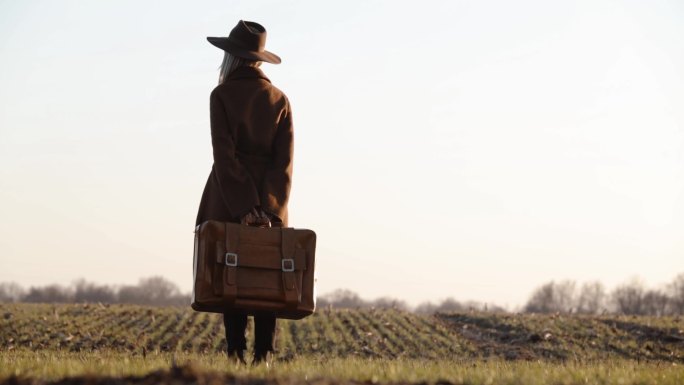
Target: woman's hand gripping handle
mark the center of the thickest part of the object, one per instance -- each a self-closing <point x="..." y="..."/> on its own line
<point x="256" y="217"/>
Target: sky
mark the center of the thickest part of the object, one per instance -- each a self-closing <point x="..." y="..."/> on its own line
<point x="465" y="149"/>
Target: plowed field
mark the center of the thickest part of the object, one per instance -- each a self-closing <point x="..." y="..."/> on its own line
<point x="151" y="337"/>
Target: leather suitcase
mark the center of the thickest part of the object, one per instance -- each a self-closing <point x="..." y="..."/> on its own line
<point x="254" y="269"/>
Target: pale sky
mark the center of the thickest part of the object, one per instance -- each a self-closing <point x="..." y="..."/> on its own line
<point x="466" y="149"/>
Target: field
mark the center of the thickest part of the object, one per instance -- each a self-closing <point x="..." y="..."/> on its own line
<point x="89" y="343"/>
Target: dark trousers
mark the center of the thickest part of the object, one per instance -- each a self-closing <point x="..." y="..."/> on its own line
<point x="264" y="331"/>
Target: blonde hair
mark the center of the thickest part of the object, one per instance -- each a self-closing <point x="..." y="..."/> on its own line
<point x="231" y="62"/>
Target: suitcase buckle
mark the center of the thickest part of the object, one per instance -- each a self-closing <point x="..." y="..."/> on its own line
<point x="286" y="261"/>
<point x="231" y="259"/>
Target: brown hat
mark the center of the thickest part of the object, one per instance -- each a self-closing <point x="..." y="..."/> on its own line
<point x="246" y="40"/>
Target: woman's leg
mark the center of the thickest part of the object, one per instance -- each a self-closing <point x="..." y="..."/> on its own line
<point x="264" y="335"/>
<point x="235" y="325"/>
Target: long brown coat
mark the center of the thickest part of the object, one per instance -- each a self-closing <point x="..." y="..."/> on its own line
<point x="252" y="140"/>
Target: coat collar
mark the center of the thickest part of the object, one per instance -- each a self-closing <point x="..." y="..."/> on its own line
<point x="247" y="72"/>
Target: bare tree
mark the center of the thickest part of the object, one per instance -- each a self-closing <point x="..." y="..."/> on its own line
<point x="49" y="294"/>
<point x="153" y="291"/>
<point x="493" y="308"/>
<point x="450" y="305"/>
<point x="676" y="291"/>
<point x="426" y="308"/>
<point x="655" y="302"/>
<point x="11" y="292"/>
<point x="91" y="292"/>
<point x="552" y="297"/>
<point x="592" y="298"/>
<point x="341" y="298"/>
<point x="628" y="298"/>
<point x="565" y="296"/>
<point x="542" y="300"/>
<point x="158" y="288"/>
<point x="389" y="303"/>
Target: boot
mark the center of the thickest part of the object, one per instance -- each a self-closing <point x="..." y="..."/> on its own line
<point x="261" y="358"/>
<point x="238" y="356"/>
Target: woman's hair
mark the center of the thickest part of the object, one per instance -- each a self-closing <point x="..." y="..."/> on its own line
<point x="231" y="62"/>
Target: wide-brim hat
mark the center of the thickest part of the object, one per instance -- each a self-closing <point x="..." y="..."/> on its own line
<point x="247" y="40"/>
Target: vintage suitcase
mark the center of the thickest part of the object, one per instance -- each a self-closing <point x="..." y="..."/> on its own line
<point x="254" y="269"/>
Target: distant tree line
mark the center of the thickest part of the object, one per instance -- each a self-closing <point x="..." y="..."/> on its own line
<point x="347" y="299"/>
<point x="553" y="297"/>
<point x="161" y="292"/>
<point x="148" y="291"/>
<point x="631" y="297"/>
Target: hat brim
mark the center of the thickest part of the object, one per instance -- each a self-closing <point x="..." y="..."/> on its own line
<point x="225" y="44"/>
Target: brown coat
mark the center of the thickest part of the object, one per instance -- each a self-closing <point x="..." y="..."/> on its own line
<point x="252" y="140"/>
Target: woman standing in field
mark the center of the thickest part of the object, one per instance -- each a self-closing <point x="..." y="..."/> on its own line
<point x="252" y="140"/>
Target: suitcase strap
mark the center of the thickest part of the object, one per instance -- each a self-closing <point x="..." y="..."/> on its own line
<point x="290" y="288"/>
<point x="227" y="287"/>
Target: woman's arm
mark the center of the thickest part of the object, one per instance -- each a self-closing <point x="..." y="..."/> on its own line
<point x="275" y="188"/>
<point x="235" y="184"/>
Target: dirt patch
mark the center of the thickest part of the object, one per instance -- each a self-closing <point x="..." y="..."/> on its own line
<point x="656" y="342"/>
<point x="504" y="336"/>
<point x="558" y="337"/>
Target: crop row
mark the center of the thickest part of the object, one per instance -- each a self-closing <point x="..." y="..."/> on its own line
<point x="141" y="330"/>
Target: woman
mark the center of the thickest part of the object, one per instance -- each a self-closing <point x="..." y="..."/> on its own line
<point x="251" y="136"/>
